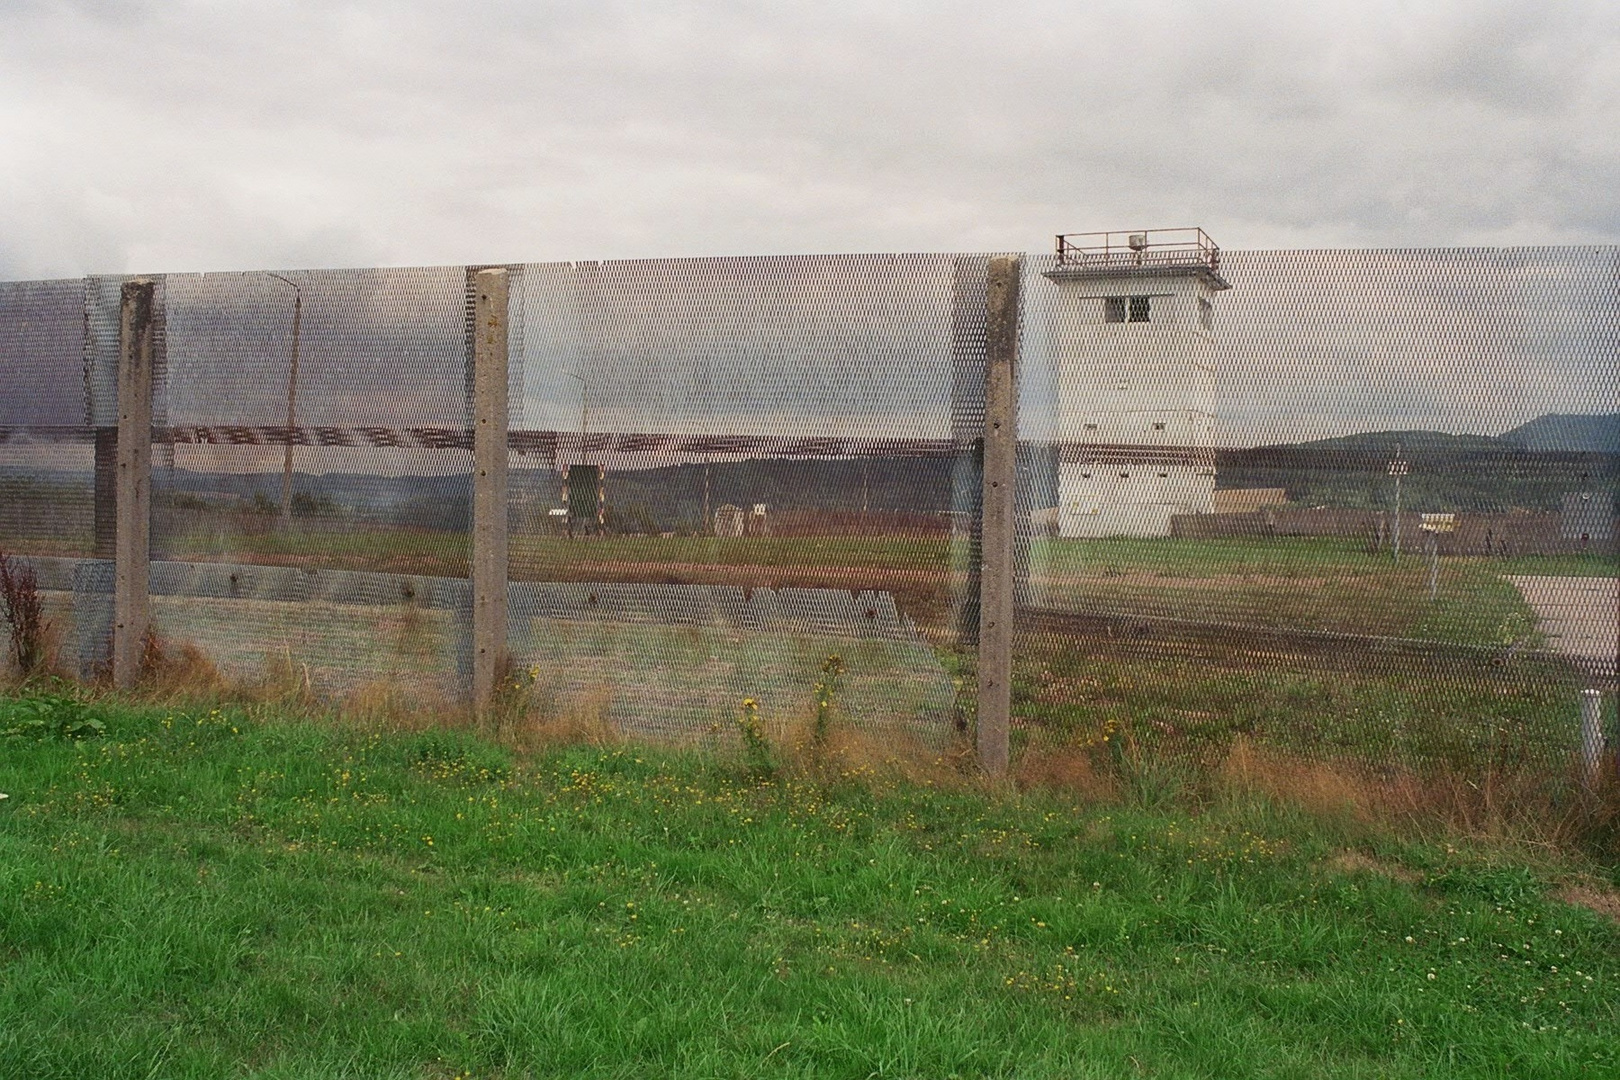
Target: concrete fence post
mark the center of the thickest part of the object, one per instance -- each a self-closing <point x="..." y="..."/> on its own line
<point x="132" y="547"/>
<point x="1592" y="742"/>
<point x="999" y="527"/>
<point x="489" y="537"/>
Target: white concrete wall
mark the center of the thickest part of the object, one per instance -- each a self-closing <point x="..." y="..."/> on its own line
<point x="1131" y="498"/>
<point x="1132" y="384"/>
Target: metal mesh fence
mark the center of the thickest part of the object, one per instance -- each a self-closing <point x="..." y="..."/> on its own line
<point x="47" y="477"/>
<point x="738" y="469"/>
<point x="1358" y="504"/>
<point x="311" y="509"/>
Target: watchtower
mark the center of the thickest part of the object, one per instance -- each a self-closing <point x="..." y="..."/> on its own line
<point x="1133" y="332"/>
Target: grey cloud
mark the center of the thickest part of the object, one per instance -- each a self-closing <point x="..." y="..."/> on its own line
<point x="175" y="136"/>
<point x="1518" y="58"/>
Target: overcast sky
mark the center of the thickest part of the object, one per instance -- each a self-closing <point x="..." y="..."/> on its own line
<point x="170" y="136"/>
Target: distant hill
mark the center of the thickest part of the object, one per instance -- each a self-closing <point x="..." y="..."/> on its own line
<point x="1466" y="473"/>
<point x="1421" y="444"/>
<point x="1555" y="431"/>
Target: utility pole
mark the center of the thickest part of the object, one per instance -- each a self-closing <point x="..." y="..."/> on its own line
<point x="1434" y="568"/>
<point x="569" y="492"/>
<point x="292" y="399"/>
<point x="1397" y="469"/>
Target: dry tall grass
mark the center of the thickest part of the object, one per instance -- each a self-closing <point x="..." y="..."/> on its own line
<point x="533" y="712"/>
<point x="1510" y="804"/>
<point x="1072" y="770"/>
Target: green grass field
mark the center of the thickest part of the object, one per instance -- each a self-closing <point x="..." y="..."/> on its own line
<point x="1475" y="718"/>
<point x="545" y="557"/>
<point x="221" y="894"/>
<point x="1489" y="726"/>
<point x="385" y="549"/>
<point x="1309" y="583"/>
<point x="1323" y="584"/>
<point x="1461" y="715"/>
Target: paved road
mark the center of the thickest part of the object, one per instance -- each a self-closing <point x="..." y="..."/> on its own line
<point x="1579" y="615"/>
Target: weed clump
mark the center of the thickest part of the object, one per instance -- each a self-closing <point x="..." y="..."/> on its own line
<point x="179" y="671"/>
<point x="52" y="717"/>
<point x="756" y="748"/>
<point x="827" y="688"/>
<point x="24" y="612"/>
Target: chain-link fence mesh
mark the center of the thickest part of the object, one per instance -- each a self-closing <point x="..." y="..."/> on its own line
<point x="738" y="469"/>
<point x="1360" y="504"/>
<point x="48" y="499"/>
<point x="1337" y="508"/>
<point x="311" y="506"/>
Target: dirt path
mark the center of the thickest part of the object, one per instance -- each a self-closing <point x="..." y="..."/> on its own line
<point x="1579" y="615"/>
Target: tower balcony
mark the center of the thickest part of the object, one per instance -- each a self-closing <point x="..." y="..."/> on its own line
<point x="1139" y="253"/>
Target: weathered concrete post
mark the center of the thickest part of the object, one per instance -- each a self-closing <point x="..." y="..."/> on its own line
<point x="489" y="541"/>
<point x="132" y="548"/>
<point x="1591" y="737"/>
<point x="999" y="526"/>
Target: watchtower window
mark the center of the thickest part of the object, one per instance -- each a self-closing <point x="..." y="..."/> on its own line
<point x="1206" y="313"/>
<point x="1114" y="309"/>
<point x="1139" y="308"/>
<point x="1158" y="425"/>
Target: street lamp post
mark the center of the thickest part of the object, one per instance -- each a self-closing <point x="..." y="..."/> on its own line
<point x="1397" y="469"/>
<point x="292" y="399"/>
<point x="584" y="435"/>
